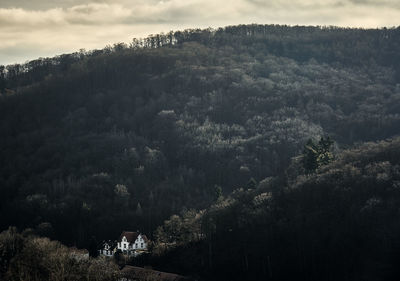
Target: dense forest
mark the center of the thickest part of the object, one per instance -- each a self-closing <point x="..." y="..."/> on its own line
<point x="96" y="142"/>
<point x="338" y="223"/>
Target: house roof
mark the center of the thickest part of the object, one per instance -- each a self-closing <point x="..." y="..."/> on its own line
<point x="144" y="238"/>
<point x="130" y="236"/>
<point x="110" y="243"/>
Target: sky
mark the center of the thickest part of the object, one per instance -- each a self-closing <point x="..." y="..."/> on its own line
<point x="44" y="28"/>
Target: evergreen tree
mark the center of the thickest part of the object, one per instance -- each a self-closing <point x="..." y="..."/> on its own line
<point x="318" y="154"/>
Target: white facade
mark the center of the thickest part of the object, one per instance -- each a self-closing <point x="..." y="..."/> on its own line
<point x="140" y="243"/>
<point x="129" y="248"/>
<point x="107" y="250"/>
<point x="129" y="243"/>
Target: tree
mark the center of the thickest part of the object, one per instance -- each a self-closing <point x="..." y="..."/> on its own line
<point x="251" y="184"/>
<point x="217" y="192"/>
<point x="2" y="78"/>
<point x="325" y="155"/>
<point x="318" y="154"/>
<point x="139" y="210"/>
<point x="93" y="252"/>
<point x="122" y="195"/>
<point x="310" y="156"/>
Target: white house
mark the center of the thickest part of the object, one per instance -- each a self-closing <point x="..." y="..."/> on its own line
<point x="132" y="243"/>
<point x="108" y="248"/>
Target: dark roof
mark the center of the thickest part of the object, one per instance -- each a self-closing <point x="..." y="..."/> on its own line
<point x="145" y="238"/>
<point x="110" y="243"/>
<point x="130" y="236"/>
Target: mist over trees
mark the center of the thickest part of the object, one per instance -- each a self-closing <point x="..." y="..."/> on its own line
<point x="99" y="141"/>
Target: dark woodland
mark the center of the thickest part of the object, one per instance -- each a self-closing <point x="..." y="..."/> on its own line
<point x="250" y="152"/>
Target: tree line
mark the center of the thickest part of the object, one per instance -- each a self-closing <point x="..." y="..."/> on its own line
<point x="99" y="141"/>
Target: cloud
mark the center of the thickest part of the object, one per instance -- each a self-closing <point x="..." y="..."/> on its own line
<point x="16" y="17"/>
<point x="97" y="14"/>
<point x="375" y="3"/>
<point x="107" y="12"/>
<point x="92" y="13"/>
<point x="51" y="27"/>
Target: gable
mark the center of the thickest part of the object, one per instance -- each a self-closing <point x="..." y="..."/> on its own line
<point x="108" y="244"/>
<point x="129" y="236"/>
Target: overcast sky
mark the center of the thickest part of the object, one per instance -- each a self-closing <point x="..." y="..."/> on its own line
<point x="40" y="28"/>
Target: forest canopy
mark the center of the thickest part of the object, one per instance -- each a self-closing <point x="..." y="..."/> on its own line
<point x="339" y="223"/>
<point x="99" y="141"/>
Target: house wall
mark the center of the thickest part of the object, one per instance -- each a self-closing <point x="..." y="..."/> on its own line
<point x="140" y="244"/>
<point x="129" y="248"/>
<point x="124" y="244"/>
<point x="107" y="253"/>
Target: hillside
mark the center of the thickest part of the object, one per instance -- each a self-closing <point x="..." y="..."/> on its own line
<point x="121" y="138"/>
<point x="340" y="223"/>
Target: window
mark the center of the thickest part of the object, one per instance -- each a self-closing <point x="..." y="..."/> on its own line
<point x="141" y="245"/>
<point x="136" y="245"/>
<point x="124" y="246"/>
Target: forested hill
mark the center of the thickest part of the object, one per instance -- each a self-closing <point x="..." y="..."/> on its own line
<point x="340" y="223"/>
<point x="120" y="138"/>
